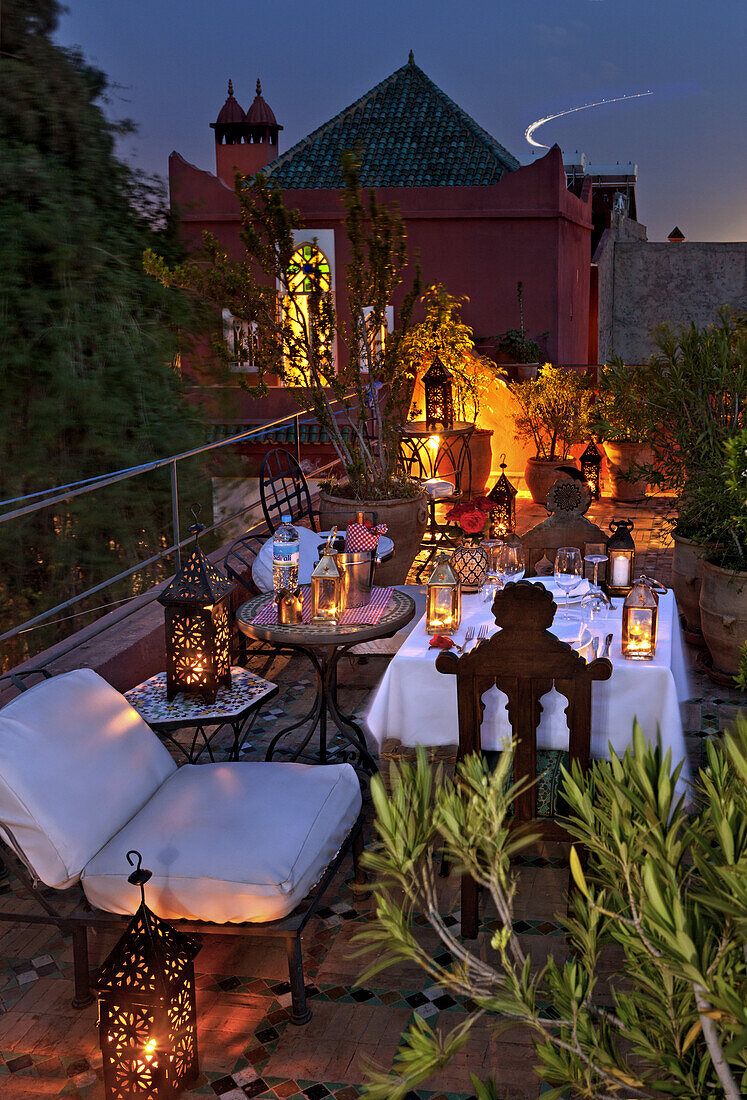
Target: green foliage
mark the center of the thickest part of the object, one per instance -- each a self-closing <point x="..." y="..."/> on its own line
<point x="740" y="679"/>
<point x="696" y="402"/>
<point x="89" y="343"/>
<point x="298" y="326"/>
<point x="554" y="411"/>
<point x="444" y="333"/>
<point x="515" y="343"/>
<point x="669" y="891"/>
<point x="620" y="410"/>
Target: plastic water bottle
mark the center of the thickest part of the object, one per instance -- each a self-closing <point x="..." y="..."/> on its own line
<point x="285" y="555"/>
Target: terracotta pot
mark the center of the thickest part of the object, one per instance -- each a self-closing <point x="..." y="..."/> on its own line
<point x="540" y="473"/>
<point x="527" y="372"/>
<point x="406" y="520"/>
<point x="687" y="570"/>
<point x="723" y="616"/>
<point x="481" y="455"/>
<point x="620" y="453"/>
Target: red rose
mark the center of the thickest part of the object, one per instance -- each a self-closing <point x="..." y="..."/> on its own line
<point x="483" y="503"/>
<point x="473" y="521"/>
<point x="456" y="512"/>
<point x="441" y="641"/>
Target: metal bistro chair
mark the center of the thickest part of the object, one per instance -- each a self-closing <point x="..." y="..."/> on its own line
<point x="524" y="660"/>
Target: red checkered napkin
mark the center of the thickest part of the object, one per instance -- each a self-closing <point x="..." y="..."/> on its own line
<point x="363" y="536"/>
<point x="369" y="613"/>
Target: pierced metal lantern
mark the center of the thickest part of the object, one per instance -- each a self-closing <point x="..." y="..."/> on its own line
<point x="443" y="608"/>
<point x="147" y="1012"/>
<point x="591" y="465"/>
<point x="621" y="557"/>
<point x="439" y="402"/>
<point x="639" y="620"/>
<point x="503" y="498"/>
<point x="326" y="590"/>
<point x="198" y="626"/>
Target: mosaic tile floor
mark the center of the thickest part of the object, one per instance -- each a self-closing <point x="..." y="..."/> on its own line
<point x="248" y="1048"/>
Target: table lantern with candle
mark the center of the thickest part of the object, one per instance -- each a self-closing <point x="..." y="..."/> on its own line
<point x="326" y="586"/>
<point x="639" y="617"/>
<point x="621" y="557"/>
<point x="439" y="402"/>
<point x="443" y="611"/>
<point x="147" y="1009"/>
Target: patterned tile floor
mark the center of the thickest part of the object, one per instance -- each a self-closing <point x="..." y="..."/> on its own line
<point x="248" y="1048"/>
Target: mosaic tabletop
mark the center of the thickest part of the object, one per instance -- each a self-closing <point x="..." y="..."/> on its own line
<point x="149" y="700"/>
<point x="399" y="611"/>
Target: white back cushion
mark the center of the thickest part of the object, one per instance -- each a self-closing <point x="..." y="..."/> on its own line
<point x="76" y="763"/>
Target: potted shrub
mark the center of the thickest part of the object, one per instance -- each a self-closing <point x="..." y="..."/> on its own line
<point x="618" y="421"/>
<point x="695" y="397"/>
<point x="553" y="414"/>
<point x="521" y="351"/>
<point x="444" y="333"/>
<point x="366" y="388"/>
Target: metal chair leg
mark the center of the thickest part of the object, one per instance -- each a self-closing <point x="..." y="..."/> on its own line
<point x="81" y="974"/>
<point x="300" y="1011"/>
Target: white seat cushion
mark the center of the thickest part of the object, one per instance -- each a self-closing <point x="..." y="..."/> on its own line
<point x="230" y="842"/>
<point x="307" y="553"/>
<point x="436" y="488"/>
<point x="76" y="763"/>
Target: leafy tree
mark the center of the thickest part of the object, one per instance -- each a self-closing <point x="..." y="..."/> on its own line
<point x="668" y="890"/>
<point x="368" y="385"/>
<point x="553" y="411"/>
<point x="89" y="343"/>
<point x="444" y="333"/>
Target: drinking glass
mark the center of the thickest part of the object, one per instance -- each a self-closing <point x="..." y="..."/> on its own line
<point x="569" y="569"/>
<point x="511" y="562"/>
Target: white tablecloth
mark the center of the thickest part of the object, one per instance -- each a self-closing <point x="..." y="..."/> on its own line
<point x="417" y="705"/>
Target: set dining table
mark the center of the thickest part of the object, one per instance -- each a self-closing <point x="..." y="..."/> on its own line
<point x="417" y="705"/>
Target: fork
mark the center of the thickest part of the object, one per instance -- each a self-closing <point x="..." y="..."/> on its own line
<point x="469" y="635"/>
<point x="483" y="632"/>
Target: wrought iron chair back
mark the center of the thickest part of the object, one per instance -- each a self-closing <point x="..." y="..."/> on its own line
<point x="283" y="490"/>
<point x="525" y="661"/>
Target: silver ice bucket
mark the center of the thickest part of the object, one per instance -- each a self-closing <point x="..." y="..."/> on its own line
<point x="357" y="576"/>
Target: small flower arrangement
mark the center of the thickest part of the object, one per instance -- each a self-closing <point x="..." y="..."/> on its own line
<point x="471" y="518"/>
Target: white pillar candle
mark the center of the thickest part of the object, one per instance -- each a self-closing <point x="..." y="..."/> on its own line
<point x="620" y="574"/>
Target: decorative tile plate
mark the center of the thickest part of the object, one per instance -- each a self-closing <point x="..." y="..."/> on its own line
<point x="149" y="699"/>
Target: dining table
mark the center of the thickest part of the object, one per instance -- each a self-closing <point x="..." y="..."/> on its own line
<point x="417" y="705"/>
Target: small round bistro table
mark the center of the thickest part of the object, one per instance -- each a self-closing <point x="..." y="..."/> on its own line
<point x="236" y="706"/>
<point x="323" y="645"/>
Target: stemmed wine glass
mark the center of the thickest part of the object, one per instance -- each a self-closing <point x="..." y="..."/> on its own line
<point x="596" y="602"/>
<point x="569" y="569"/>
<point x="511" y="562"/>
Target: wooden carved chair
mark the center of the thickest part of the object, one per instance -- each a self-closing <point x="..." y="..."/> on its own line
<point x="567" y="501"/>
<point x="524" y="660"/>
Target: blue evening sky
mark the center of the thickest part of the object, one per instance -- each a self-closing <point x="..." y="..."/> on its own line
<point x="506" y="64"/>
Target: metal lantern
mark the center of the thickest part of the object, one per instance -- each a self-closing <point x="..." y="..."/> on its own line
<point x="621" y="555"/>
<point x="591" y="464"/>
<point x="503" y="498"/>
<point x="326" y="590"/>
<point x="198" y="626"/>
<point x="443" y="608"/>
<point x="439" y="403"/>
<point x="639" y="617"/>
<point x="147" y="1013"/>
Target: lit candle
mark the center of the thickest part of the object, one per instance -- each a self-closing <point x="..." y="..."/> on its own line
<point x="620" y="571"/>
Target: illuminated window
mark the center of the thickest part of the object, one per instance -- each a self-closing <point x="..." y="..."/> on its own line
<point x="309" y="268"/>
<point x="242" y="341"/>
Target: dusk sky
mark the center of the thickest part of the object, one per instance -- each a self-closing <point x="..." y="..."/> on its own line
<point x="506" y="64"/>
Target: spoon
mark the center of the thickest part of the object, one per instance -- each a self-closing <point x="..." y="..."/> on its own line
<point x="607" y="644"/>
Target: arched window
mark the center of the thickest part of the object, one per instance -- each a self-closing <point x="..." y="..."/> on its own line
<point x="309" y="268"/>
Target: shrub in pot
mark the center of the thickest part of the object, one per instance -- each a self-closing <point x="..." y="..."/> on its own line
<point x="521" y="351"/>
<point x="285" y="295"/>
<point x="443" y="332"/>
<point x="553" y="414"/>
<point x="618" y="420"/>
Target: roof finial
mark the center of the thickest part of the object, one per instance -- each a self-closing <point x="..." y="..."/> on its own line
<point x="411" y="58"/>
<point x="230" y="87"/>
<point x="259" y="86"/>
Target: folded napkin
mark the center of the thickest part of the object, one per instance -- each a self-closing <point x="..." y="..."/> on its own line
<point x="363" y="536"/>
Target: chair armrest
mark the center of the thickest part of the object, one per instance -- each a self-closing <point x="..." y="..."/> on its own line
<point x="15" y="677"/>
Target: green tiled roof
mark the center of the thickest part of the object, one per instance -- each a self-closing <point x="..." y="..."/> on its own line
<point x="409" y="133"/>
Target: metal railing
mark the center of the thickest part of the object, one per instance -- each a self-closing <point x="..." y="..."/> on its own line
<point x="63" y="493"/>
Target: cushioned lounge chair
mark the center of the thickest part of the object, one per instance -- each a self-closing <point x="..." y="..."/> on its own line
<point x="235" y="848"/>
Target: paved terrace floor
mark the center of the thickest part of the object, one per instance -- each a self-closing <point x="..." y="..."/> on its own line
<point x="247" y="1046"/>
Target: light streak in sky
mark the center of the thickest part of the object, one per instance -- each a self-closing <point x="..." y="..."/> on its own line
<point x="530" y="130"/>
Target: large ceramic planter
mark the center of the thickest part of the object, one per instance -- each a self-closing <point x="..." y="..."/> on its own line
<point x="620" y="454"/>
<point x="723" y="616"/>
<point x="541" y="473"/>
<point x="481" y="454"/>
<point x="406" y="520"/>
<point x="687" y="571"/>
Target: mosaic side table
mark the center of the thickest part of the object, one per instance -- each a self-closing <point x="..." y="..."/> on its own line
<point x="236" y="707"/>
<point x="323" y="645"/>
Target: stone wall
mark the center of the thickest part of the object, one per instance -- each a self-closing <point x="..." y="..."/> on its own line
<point x="643" y="283"/>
